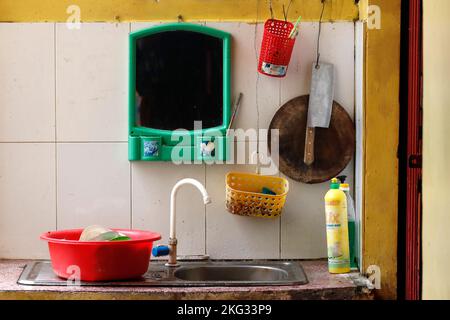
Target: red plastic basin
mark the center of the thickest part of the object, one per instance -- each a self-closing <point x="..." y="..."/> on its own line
<point x="102" y="260"/>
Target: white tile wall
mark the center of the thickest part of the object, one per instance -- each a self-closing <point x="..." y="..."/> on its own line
<point x="27" y="198"/>
<point x="27" y="82"/>
<point x="83" y="176"/>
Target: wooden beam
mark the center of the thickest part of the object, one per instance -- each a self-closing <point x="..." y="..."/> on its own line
<point x="382" y="109"/>
<point x="169" y="10"/>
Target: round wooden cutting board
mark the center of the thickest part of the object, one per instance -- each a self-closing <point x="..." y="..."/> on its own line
<point x="334" y="146"/>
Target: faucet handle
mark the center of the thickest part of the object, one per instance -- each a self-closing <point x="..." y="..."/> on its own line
<point x="160" y="251"/>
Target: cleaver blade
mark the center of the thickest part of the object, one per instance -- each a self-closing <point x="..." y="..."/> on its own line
<point x="320" y="105"/>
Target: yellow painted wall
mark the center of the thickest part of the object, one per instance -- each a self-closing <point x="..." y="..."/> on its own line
<point x="382" y="73"/>
<point x="436" y="152"/>
<point x="145" y="10"/>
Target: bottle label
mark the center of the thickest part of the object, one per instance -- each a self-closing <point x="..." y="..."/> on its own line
<point x="337" y="235"/>
<point x="273" y="69"/>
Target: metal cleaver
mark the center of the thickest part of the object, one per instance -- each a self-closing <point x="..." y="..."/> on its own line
<point x="320" y="105"/>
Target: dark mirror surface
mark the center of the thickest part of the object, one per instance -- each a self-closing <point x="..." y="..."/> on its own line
<point x="179" y="80"/>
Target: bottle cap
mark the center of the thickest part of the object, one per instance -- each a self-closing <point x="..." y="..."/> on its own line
<point x="342" y="178"/>
<point x="334" y="184"/>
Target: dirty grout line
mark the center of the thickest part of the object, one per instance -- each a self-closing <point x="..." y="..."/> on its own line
<point x="205" y="211"/>
<point x="29" y="142"/>
<point x="131" y="194"/>
<point x="56" y="185"/>
<point x="58" y="142"/>
<point x="280" y="248"/>
<point x="55" y="79"/>
<point x="81" y="142"/>
<point x="55" y="122"/>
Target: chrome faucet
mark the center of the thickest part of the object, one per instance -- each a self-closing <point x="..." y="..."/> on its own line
<point x="172" y="248"/>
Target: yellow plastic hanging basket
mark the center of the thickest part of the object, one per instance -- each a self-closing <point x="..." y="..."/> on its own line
<point x="245" y="197"/>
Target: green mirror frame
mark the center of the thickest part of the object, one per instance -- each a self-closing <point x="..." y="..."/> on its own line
<point x="147" y="144"/>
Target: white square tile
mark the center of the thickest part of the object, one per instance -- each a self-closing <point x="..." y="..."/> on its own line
<point x="243" y="153"/>
<point x="298" y="78"/>
<point x="303" y="221"/>
<point x="136" y="26"/>
<point x="337" y="46"/>
<point x="303" y="230"/>
<point x="231" y="236"/>
<point x="27" y="82"/>
<point x="268" y="90"/>
<point x="243" y="70"/>
<point x="92" y="82"/>
<point x="303" y="233"/>
<point x="152" y="185"/>
<point x="93" y="185"/>
<point x="27" y="199"/>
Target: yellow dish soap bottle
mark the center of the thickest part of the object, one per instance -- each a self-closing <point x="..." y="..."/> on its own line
<point x="337" y="229"/>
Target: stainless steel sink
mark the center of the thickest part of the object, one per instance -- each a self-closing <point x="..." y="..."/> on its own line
<point x="188" y="274"/>
<point x="222" y="273"/>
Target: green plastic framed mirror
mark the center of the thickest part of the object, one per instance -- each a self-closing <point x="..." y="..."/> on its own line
<point x="179" y="93"/>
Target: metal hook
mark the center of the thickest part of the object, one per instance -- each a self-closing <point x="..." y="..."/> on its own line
<point x="317" y="62"/>
<point x="287" y="10"/>
<point x="270" y="8"/>
<point x="318" y="36"/>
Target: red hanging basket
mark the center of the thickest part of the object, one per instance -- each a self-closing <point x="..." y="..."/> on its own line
<point x="276" y="48"/>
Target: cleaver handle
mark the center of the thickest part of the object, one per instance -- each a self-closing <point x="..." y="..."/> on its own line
<point x="309" y="146"/>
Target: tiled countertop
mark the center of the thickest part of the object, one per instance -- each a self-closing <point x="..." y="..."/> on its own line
<point x="322" y="285"/>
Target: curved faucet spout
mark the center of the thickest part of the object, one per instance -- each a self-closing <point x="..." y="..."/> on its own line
<point x="172" y="237"/>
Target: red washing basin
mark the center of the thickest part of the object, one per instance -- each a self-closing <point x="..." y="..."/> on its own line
<point x="102" y="260"/>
